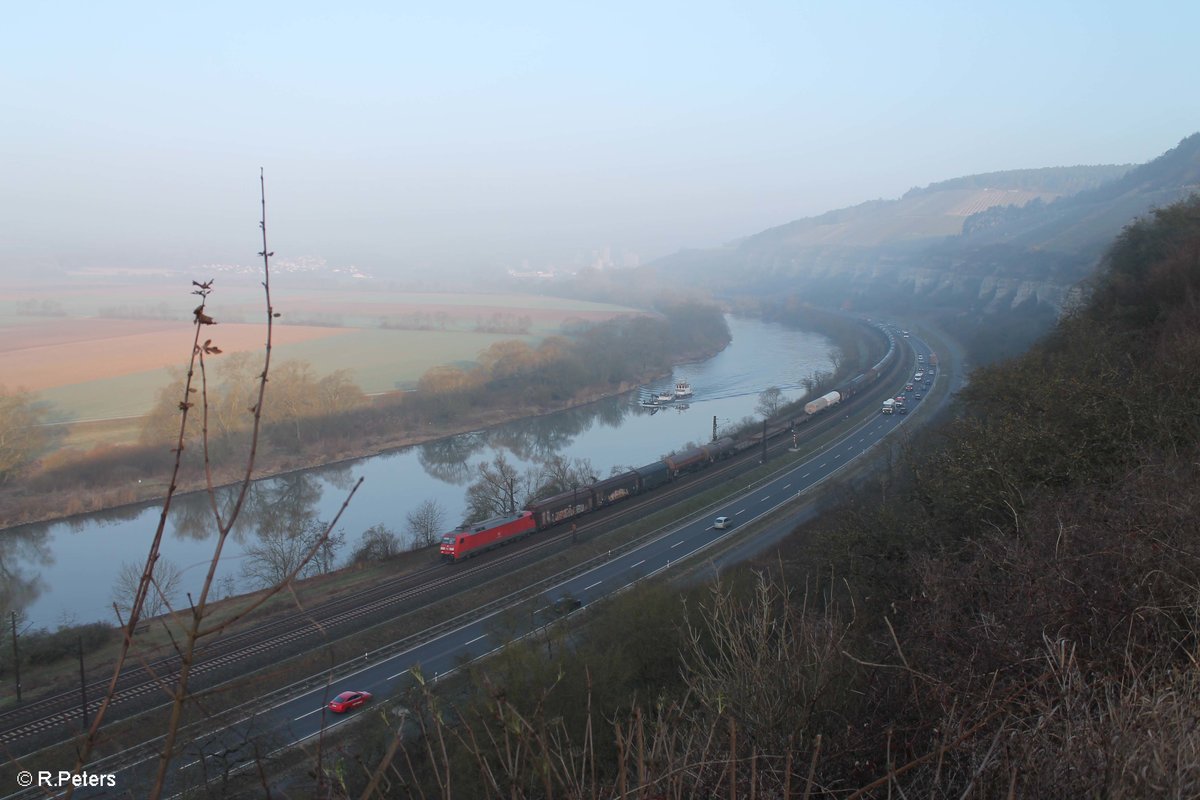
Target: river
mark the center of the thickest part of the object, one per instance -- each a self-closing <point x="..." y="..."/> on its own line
<point x="65" y="572"/>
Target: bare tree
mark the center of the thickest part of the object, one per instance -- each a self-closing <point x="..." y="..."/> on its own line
<point x="559" y="474"/>
<point x="275" y="555"/>
<point x="770" y="400"/>
<point x="324" y="543"/>
<point x="166" y="577"/>
<point x="497" y="490"/>
<point x="196" y="620"/>
<point x="426" y="523"/>
<point x="837" y="359"/>
<point x="279" y="553"/>
<point x="21" y="437"/>
<point x="378" y="544"/>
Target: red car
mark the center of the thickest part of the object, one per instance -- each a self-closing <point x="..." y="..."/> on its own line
<point x="348" y="700"/>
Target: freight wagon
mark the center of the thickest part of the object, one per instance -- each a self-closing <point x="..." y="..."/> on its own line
<point x="469" y="540"/>
<point x="823" y="402"/>
<point x="561" y="507"/>
<point x="687" y="461"/>
<point x="699" y="457"/>
<point x="653" y="475"/>
<point x="613" y="490"/>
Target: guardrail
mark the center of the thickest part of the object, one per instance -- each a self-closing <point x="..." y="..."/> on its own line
<point x="211" y="726"/>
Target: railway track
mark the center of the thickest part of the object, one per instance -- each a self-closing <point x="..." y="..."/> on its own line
<point x="30" y="723"/>
<point x="286" y="634"/>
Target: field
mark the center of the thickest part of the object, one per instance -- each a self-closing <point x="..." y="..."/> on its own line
<point x="87" y="365"/>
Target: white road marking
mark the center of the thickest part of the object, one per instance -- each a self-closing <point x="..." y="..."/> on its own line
<point x="593" y="586"/>
<point x="787" y="485"/>
<point x="638" y="564"/>
<point x="681" y="541"/>
<point x="309" y="714"/>
<point x="476" y="639"/>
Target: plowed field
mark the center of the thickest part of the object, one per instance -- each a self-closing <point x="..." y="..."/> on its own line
<point x="59" y="352"/>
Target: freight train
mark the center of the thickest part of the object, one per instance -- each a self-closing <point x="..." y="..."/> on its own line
<point x="470" y="540"/>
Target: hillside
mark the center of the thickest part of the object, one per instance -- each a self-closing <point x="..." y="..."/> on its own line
<point x="936" y="211"/>
<point x="1006" y="610"/>
<point x="1000" y="242"/>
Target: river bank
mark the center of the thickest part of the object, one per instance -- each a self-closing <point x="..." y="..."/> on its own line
<point x="66" y="570"/>
<point x="307" y="422"/>
<point x="21" y="506"/>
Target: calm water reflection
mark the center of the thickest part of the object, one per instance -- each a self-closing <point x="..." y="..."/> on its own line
<point x="64" y="571"/>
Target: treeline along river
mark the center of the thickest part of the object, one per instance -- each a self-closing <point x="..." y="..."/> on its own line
<point x="64" y="572"/>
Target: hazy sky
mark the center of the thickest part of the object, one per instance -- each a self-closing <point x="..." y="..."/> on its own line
<point x="401" y="135"/>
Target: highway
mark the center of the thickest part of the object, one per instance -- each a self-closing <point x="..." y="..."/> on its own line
<point x="298" y="719"/>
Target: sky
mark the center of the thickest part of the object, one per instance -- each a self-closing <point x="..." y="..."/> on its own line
<point x="416" y="138"/>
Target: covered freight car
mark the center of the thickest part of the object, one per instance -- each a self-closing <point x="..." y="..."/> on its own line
<point x="561" y="507"/>
<point x="852" y="387"/>
<point x="653" y="475"/>
<point x="472" y="539"/>
<point x="616" y="488"/>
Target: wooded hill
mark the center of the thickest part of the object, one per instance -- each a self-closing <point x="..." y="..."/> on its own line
<point x="1011" y="610"/>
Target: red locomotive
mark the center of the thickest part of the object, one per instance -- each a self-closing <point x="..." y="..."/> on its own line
<point x="475" y="538"/>
<point x="470" y="540"/>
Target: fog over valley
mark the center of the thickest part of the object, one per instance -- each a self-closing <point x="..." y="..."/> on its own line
<point x="545" y="400"/>
<point x="475" y="139"/>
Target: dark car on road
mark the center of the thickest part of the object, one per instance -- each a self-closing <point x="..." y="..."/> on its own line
<point x="566" y="604"/>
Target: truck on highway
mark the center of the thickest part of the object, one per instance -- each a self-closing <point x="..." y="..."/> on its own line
<point x="889" y="406"/>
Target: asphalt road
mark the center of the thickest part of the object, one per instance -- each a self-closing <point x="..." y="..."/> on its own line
<point x="305" y="716"/>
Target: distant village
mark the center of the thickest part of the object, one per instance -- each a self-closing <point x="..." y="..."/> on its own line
<point x="599" y="259"/>
<point x="602" y="258"/>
